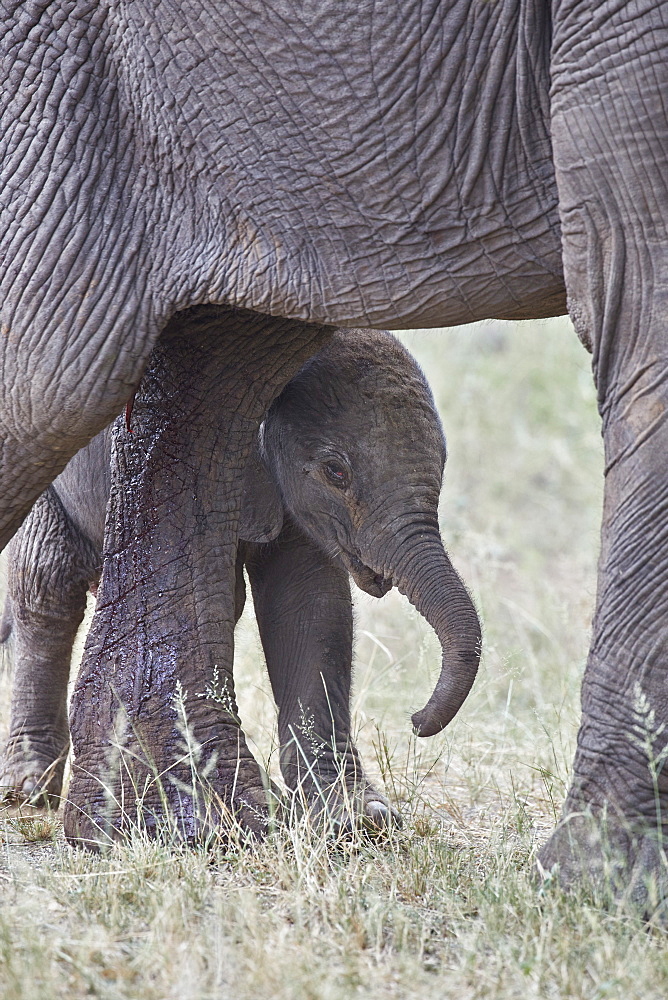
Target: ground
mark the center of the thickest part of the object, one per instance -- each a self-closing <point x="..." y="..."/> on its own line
<point x="446" y="907"/>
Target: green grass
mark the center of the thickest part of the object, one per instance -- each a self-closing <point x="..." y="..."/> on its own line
<point x="447" y="907"/>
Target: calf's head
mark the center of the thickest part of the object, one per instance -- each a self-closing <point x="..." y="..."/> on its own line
<point x="355" y="452"/>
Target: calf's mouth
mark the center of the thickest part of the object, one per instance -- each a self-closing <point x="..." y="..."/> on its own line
<point x="366" y="578"/>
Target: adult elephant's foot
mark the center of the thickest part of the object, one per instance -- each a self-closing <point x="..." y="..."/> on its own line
<point x="604" y="854"/>
<point x="610" y="839"/>
<point x="202" y="794"/>
<point x="30" y="778"/>
<point x="154" y="723"/>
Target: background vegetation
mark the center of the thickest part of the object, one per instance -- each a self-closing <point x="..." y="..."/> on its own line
<point x="446" y="907"/>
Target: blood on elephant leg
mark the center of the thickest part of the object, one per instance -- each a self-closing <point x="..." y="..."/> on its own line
<point x="609" y="132"/>
<point x="154" y="725"/>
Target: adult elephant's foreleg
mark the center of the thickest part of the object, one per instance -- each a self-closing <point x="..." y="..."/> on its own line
<point x="304" y="614"/>
<point x="611" y="143"/>
<point x="154" y="724"/>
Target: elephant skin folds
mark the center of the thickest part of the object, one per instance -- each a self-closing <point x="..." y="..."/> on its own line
<point x="429" y="165"/>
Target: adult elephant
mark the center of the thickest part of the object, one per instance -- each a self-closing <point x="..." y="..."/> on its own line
<point x="360" y="164"/>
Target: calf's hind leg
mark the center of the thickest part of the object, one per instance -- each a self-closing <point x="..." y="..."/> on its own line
<point x="50" y="566"/>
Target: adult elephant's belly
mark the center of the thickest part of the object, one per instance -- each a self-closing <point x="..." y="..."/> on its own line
<point x="393" y="278"/>
<point x="392" y="169"/>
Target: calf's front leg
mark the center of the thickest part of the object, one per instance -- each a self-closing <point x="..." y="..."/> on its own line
<point x="304" y="613"/>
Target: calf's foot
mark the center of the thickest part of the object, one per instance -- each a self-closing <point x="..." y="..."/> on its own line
<point x="360" y="807"/>
<point x="333" y="788"/>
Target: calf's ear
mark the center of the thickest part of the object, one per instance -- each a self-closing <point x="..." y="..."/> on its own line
<point x="261" y="509"/>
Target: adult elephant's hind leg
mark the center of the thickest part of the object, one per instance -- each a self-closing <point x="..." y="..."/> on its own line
<point x="304" y="613"/>
<point x="611" y="147"/>
<point x="154" y="725"/>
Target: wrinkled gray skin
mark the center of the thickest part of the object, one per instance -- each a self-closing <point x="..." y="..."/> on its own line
<point x="346" y="475"/>
<point x="385" y="164"/>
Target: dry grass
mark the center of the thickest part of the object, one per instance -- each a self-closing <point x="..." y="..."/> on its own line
<point x="446" y="907"/>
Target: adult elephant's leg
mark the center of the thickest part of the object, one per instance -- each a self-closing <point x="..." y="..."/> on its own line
<point x="304" y="613"/>
<point x="50" y="567"/>
<point x="154" y="722"/>
<point x="610" y="134"/>
<point x="59" y="389"/>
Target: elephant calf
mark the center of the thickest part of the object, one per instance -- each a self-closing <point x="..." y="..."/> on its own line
<point x="345" y="480"/>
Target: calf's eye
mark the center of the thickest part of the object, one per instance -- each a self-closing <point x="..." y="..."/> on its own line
<point x="336" y="474"/>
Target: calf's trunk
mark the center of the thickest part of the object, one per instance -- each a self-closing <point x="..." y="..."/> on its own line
<point x="421" y="569"/>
